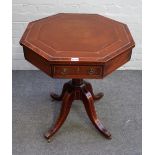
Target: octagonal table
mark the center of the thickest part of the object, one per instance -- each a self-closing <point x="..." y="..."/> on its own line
<point x="77" y="46"/>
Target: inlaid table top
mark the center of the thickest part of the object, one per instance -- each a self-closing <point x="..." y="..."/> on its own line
<point x="77" y="39"/>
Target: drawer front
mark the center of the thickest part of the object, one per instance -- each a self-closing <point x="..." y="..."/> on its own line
<point x="77" y="71"/>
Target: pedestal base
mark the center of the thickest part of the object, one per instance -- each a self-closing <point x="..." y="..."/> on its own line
<point x="77" y="89"/>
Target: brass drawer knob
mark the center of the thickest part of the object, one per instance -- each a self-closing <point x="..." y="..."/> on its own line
<point x="64" y="71"/>
<point x="91" y="71"/>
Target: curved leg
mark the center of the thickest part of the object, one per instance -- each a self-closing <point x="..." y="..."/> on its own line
<point x="95" y="97"/>
<point x="66" y="105"/>
<point x="89" y="106"/>
<point x="59" y="97"/>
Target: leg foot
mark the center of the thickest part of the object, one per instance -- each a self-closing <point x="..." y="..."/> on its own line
<point x="66" y="105"/>
<point x="55" y="97"/>
<point x="89" y="88"/>
<point x="48" y="140"/>
<point x="98" y="96"/>
<point x="89" y="106"/>
<point x="59" y="97"/>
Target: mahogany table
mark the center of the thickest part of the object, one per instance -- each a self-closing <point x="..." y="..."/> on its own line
<point x="77" y="46"/>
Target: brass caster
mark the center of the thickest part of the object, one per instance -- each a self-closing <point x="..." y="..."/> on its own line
<point x="48" y="140"/>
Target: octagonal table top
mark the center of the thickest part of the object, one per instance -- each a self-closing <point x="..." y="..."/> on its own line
<point x="67" y="37"/>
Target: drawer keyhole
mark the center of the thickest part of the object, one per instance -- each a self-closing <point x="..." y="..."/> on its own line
<point x="64" y="71"/>
<point x="91" y="71"/>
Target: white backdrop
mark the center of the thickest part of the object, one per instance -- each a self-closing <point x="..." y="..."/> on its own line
<point x="127" y="11"/>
